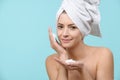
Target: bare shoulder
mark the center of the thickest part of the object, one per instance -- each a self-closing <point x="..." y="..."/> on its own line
<point x="52" y="66"/>
<point x="51" y="62"/>
<point x="105" y="56"/>
<point x="104" y="52"/>
<point x="50" y="59"/>
<point x="105" y="65"/>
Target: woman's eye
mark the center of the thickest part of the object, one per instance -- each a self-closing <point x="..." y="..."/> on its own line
<point x="59" y="27"/>
<point x="73" y="27"/>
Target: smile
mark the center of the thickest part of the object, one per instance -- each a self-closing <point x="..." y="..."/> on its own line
<point x="66" y="40"/>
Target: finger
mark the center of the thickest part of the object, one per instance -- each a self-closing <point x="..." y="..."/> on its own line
<point x="54" y="44"/>
<point x="52" y="39"/>
<point x="76" y="65"/>
<point x="62" y="62"/>
<point x="72" y="68"/>
<point x="50" y="35"/>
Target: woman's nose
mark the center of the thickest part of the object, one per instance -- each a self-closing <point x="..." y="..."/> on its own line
<point x="65" y="32"/>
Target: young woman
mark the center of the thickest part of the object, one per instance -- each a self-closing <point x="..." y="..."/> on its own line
<point x="74" y="60"/>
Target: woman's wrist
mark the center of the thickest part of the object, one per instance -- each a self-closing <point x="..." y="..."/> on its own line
<point x="63" y="57"/>
<point x="62" y="73"/>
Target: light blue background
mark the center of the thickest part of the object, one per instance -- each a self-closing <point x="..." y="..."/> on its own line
<point x="24" y="43"/>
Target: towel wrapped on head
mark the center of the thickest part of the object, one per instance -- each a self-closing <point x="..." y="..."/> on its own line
<point x="84" y="14"/>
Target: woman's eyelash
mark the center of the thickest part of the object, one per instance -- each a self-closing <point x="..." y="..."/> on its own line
<point x="60" y="26"/>
<point x="73" y="27"/>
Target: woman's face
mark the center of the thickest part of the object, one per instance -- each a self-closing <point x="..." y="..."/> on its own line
<point x="68" y="33"/>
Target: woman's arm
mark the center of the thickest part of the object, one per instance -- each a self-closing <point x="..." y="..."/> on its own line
<point x="78" y="66"/>
<point x="51" y="68"/>
<point x="105" y="69"/>
<point x="62" y="73"/>
<point x="55" y="70"/>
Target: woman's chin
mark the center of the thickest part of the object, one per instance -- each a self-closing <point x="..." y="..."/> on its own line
<point x="66" y="45"/>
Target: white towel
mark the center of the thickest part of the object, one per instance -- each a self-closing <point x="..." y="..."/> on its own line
<point x="84" y="14"/>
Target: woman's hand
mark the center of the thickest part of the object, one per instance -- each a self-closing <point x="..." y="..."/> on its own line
<point x="71" y="64"/>
<point x="76" y="65"/>
<point x="63" y="55"/>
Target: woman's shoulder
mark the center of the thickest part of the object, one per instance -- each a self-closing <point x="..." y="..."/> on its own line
<point x="105" y="61"/>
<point x="100" y="50"/>
<point x="103" y="50"/>
<point x="50" y="60"/>
<point x="104" y="53"/>
<point x="52" y="56"/>
<point x="52" y="65"/>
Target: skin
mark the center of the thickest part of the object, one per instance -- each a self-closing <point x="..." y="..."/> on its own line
<point x="91" y="63"/>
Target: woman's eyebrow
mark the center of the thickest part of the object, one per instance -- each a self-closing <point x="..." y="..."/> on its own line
<point x="59" y="24"/>
<point x="71" y="24"/>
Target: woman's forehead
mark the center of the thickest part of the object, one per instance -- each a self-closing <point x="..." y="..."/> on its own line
<point x="64" y="18"/>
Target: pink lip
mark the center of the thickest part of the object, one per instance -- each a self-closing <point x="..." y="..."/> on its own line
<point x="66" y="40"/>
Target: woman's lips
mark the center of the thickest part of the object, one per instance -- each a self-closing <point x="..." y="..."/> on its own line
<point x="66" y="40"/>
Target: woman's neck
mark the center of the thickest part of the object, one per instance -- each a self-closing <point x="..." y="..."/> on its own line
<point x="79" y="52"/>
